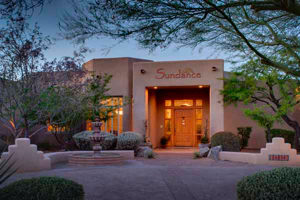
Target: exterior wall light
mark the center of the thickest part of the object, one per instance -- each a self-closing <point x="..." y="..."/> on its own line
<point x="214" y="69"/>
<point x="200" y="86"/>
<point x="143" y="71"/>
<point x="155" y="88"/>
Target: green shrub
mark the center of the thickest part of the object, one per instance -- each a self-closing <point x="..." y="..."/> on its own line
<point x="44" y="146"/>
<point x="277" y="184"/>
<point x="204" y="140"/>
<point x="196" y="155"/>
<point x="163" y="141"/>
<point x="110" y="142"/>
<point x="45" y="188"/>
<point x="82" y="140"/>
<point x="244" y="133"/>
<point x="129" y="141"/>
<point x="227" y="140"/>
<point x="286" y="134"/>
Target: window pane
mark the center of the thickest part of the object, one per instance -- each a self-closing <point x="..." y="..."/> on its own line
<point x="168" y="126"/>
<point x="168" y="113"/>
<point x="168" y="102"/>
<point x="198" y="102"/>
<point x="198" y="113"/>
<point x="199" y="126"/>
<point x="114" y="124"/>
<point x="184" y="102"/>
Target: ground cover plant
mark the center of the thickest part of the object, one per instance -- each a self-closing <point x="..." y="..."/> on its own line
<point x="43" y="188"/>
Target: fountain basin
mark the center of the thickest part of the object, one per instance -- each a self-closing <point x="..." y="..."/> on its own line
<point x="104" y="158"/>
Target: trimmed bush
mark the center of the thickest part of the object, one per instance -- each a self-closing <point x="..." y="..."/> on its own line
<point x="286" y="134"/>
<point x="277" y="184"/>
<point x="82" y="140"/>
<point x="244" y="133"/>
<point x="45" y="188"/>
<point x="129" y="141"/>
<point x="110" y="142"/>
<point x="227" y="140"/>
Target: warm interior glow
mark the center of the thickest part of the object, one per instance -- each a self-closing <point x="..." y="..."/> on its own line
<point x="155" y="88"/>
<point x="200" y="86"/>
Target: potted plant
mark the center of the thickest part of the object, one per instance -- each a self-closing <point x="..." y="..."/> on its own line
<point x="163" y="141"/>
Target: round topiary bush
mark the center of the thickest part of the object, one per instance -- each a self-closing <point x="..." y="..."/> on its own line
<point x="129" y="141"/>
<point x="227" y="140"/>
<point x="277" y="184"/>
<point x="45" y="188"/>
<point x="82" y="140"/>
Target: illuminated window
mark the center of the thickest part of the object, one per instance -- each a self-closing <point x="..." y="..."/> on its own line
<point x="114" y="124"/>
<point x="168" y="113"/>
<point x="168" y="102"/>
<point x="199" y="102"/>
<point x="199" y="115"/>
<point x="184" y="102"/>
<point x="168" y="121"/>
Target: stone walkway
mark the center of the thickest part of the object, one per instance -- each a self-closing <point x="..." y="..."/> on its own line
<point x="168" y="177"/>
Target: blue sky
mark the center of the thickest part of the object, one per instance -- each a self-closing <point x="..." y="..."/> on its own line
<point x="48" y="20"/>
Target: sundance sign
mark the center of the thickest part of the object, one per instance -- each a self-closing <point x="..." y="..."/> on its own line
<point x="181" y="73"/>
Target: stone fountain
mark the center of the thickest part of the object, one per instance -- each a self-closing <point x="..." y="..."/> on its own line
<point x="96" y="157"/>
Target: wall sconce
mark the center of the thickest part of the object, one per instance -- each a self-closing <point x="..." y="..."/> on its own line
<point x="214" y="69"/>
<point x="143" y="71"/>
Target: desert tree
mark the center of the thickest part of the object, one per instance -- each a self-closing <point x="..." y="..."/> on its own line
<point x="25" y="73"/>
<point x="243" y="28"/>
<point x="272" y="95"/>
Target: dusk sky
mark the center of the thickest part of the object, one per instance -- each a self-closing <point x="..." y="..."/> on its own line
<point x="48" y="20"/>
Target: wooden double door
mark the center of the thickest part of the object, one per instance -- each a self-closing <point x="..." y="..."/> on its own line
<point x="184" y="127"/>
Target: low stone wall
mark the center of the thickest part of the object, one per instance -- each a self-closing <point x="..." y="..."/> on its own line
<point x="61" y="157"/>
<point x="26" y="157"/>
<point x="276" y="153"/>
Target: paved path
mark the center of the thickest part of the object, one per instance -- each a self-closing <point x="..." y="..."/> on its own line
<point x="168" y="177"/>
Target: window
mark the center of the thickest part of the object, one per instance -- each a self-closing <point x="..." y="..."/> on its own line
<point x="199" y="102"/>
<point x="168" y="103"/>
<point x="168" y="122"/>
<point x="114" y="124"/>
<point x="199" y="121"/>
<point x="184" y="102"/>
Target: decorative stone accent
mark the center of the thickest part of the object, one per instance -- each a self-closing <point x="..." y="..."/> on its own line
<point x="141" y="150"/>
<point x="214" y="152"/>
<point x="204" y="151"/>
<point x="26" y="156"/>
<point x="276" y="153"/>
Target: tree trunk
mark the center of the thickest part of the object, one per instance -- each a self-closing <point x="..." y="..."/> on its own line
<point x="296" y="138"/>
<point x="269" y="139"/>
<point x="295" y="125"/>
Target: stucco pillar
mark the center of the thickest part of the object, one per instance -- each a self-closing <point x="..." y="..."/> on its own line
<point x="139" y="109"/>
<point x="216" y="110"/>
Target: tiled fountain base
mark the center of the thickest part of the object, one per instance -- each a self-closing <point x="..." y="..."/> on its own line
<point x="103" y="158"/>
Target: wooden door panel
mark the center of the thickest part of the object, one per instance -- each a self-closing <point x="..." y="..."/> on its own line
<point x="184" y="127"/>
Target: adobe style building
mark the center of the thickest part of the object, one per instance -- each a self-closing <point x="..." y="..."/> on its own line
<point x="177" y="99"/>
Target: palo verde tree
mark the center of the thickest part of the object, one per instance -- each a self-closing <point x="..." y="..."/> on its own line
<point x="274" y="95"/>
<point x="258" y="28"/>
